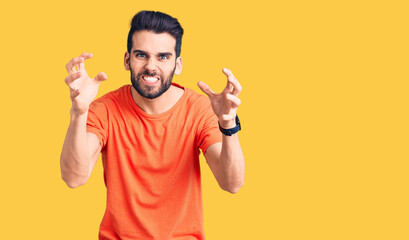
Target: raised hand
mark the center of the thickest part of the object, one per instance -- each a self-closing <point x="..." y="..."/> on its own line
<point x="224" y="104"/>
<point x="83" y="89"/>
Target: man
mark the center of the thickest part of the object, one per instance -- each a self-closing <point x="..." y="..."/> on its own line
<point x="149" y="134"/>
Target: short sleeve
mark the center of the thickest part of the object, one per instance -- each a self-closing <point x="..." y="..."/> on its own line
<point x="208" y="131"/>
<point x="97" y="121"/>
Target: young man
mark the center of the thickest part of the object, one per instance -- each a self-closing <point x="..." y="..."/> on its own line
<point x="149" y="134"/>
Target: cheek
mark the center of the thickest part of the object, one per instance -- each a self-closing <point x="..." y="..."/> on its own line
<point x="136" y="68"/>
<point x="169" y="68"/>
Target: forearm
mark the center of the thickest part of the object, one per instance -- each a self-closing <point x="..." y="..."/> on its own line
<point x="226" y="161"/>
<point x="232" y="164"/>
<point x="75" y="156"/>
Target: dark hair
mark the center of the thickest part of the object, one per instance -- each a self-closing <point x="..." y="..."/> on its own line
<point x="157" y="22"/>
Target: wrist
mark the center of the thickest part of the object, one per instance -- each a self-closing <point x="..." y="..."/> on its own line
<point x="231" y="130"/>
<point x="78" y="113"/>
<point x="78" y="119"/>
<point x="227" y="124"/>
<point x="78" y="109"/>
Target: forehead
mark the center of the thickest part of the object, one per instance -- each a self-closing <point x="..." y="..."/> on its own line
<point x="153" y="42"/>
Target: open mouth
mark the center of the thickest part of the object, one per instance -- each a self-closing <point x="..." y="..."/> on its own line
<point x="149" y="79"/>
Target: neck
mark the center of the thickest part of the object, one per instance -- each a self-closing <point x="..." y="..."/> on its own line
<point x="160" y="104"/>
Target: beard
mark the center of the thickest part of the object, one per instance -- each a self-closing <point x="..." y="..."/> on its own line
<point x="149" y="91"/>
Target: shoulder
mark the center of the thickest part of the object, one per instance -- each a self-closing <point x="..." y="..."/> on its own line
<point x="196" y="105"/>
<point x="196" y="100"/>
<point x="117" y="94"/>
<point x="108" y="100"/>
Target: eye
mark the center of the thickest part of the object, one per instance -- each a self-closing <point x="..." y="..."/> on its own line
<point x="140" y="55"/>
<point x="164" y="57"/>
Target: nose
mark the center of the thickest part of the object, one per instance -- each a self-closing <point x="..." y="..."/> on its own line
<point x="151" y="65"/>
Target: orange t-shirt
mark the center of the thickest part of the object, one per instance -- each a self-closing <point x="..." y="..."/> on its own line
<point x="151" y="165"/>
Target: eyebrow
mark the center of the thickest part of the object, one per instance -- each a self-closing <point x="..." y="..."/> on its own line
<point x="138" y="51"/>
<point x="165" y="54"/>
<point x="159" y="54"/>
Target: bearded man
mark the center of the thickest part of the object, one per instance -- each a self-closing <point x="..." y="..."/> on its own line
<point x="150" y="134"/>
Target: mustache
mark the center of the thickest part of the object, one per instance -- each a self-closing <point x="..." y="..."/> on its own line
<point x="147" y="73"/>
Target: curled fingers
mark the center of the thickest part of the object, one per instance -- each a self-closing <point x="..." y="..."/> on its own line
<point x="77" y="63"/>
<point x="72" y="77"/>
<point x="73" y="65"/>
<point x="233" y="99"/>
<point x="74" y="93"/>
<point x="233" y="84"/>
<point x="206" y="89"/>
<point x="85" y="56"/>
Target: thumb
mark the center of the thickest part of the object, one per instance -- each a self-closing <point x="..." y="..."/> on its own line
<point x="101" y="77"/>
<point x="205" y="88"/>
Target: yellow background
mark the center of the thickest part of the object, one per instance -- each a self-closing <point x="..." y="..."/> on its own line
<point x="324" y="113"/>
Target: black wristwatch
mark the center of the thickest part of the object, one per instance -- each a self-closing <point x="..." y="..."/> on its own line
<point x="231" y="131"/>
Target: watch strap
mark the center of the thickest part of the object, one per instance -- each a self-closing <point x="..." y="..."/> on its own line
<point x="231" y="131"/>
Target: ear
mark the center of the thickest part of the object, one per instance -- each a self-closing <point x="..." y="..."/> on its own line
<point x="126" y="61"/>
<point x="179" y="65"/>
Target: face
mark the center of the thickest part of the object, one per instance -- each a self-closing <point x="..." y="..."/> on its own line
<point x="152" y="63"/>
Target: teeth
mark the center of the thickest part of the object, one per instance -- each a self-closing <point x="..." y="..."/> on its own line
<point x="150" y="79"/>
